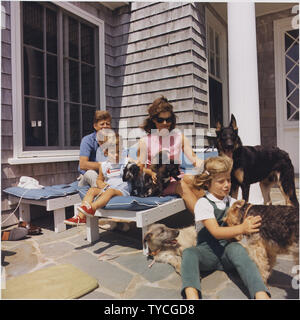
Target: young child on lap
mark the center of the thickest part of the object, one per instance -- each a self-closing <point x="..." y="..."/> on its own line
<point x="109" y="182"/>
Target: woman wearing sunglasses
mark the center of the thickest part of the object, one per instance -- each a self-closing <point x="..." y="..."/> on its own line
<point x="163" y="136"/>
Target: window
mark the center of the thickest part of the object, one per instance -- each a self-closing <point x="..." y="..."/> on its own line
<point x="215" y="81"/>
<point x="60" y="77"/>
<point x="217" y="61"/>
<point x="291" y="52"/>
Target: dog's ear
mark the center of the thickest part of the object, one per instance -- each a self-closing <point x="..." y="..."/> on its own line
<point x="233" y="123"/>
<point x="147" y="236"/>
<point x="239" y="203"/>
<point x="218" y="127"/>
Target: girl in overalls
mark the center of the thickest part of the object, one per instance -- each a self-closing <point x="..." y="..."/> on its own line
<point x="214" y="251"/>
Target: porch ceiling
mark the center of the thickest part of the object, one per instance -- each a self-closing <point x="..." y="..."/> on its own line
<point x="260" y="8"/>
<point x="113" y="5"/>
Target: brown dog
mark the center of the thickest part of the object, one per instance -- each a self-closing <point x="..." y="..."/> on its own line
<point x="278" y="233"/>
<point x="167" y="244"/>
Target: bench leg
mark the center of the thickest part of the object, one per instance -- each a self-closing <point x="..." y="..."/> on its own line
<point x="145" y="247"/>
<point x="92" y="230"/>
<point x="24" y="212"/>
<point x="59" y="217"/>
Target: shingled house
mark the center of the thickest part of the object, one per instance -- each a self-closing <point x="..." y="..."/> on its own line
<point x="63" y="60"/>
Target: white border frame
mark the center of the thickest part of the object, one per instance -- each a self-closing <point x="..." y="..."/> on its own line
<point x="20" y="156"/>
<point x="280" y="26"/>
<point x="221" y="29"/>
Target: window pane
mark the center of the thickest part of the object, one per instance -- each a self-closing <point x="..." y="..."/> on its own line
<point x="293" y="51"/>
<point x="294" y="97"/>
<point x="33" y="72"/>
<point x="212" y="63"/>
<point x="52" y="77"/>
<point x="87" y="119"/>
<point x="72" y="85"/>
<point x="211" y="39"/>
<point x="33" y="24"/>
<point x="292" y="113"/>
<point x="87" y="44"/>
<point x="72" y="125"/>
<point x="52" y="124"/>
<point x="51" y="29"/>
<point x="215" y="102"/>
<point x="88" y="84"/>
<point x="73" y="38"/>
<point x="294" y="74"/>
<point x="289" y="87"/>
<point x="218" y="72"/>
<point x="217" y="44"/>
<point x="34" y="122"/>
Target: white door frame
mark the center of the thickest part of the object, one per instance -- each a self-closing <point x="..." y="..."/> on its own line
<point x="221" y="29"/>
<point x="280" y="26"/>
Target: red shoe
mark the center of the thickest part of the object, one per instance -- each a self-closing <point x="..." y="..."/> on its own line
<point x="75" y="221"/>
<point x="86" y="209"/>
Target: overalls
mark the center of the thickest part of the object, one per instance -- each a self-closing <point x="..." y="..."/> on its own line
<point x="212" y="254"/>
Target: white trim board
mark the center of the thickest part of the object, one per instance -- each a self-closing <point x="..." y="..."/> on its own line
<point x="286" y="130"/>
<point x="19" y="155"/>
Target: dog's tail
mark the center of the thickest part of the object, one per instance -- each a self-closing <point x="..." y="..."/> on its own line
<point x="287" y="178"/>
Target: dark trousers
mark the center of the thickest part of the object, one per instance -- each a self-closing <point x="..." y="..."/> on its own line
<point x="217" y="257"/>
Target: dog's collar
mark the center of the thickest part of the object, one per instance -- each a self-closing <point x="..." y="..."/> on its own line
<point x="154" y="253"/>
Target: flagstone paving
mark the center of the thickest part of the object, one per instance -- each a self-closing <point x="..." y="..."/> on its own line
<point x="125" y="273"/>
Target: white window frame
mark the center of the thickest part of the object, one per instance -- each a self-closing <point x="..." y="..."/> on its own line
<point x="218" y="27"/>
<point x="19" y="155"/>
<point x="280" y="26"/>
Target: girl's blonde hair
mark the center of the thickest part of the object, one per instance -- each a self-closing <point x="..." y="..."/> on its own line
<point x="212" y="167"/>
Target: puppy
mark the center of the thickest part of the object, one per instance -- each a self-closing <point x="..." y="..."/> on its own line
<point x="132" y="174"/>
<point x="278" y="233"/>
<point x="167" y="244"/>
<point x="165" y="169"/>
<point x="142" y="184"/>
<point x="251" y="164"/>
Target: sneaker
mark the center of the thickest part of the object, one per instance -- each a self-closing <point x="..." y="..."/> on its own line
<point x="86" y="209"/>
<point x="75" y="221"/>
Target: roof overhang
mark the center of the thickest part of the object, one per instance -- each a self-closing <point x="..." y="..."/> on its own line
<point x="112" y="5"/>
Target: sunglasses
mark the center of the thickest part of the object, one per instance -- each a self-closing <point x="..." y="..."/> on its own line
<point x="161" y="120"/>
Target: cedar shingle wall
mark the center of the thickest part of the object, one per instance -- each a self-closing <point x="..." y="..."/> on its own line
<point x="158" y="49"/>
<point x="151" y="49"/>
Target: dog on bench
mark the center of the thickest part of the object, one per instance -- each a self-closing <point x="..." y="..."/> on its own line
<point x="278" y="233"/>
<point x="142" y="184"/>
<point x="251" y="164"/>
<point x="167" y="244"/>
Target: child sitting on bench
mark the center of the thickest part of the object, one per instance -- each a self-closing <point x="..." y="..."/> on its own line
<point x="109" y="182"/>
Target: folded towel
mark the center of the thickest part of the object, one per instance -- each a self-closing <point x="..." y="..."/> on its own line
<point x="29" y="183"/>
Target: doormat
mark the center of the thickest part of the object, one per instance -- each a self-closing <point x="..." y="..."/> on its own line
<point x="57" y="282"/>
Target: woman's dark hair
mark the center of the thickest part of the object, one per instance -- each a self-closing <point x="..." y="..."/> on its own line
<point x="158" y="105"/>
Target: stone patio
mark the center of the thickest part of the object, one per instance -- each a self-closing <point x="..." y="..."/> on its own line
<point x="127" y="275"/>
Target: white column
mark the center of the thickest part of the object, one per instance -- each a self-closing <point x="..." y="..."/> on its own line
<point x="243" y="77"/>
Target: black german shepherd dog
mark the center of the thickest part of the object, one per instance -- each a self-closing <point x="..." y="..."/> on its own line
<point x="251" y="164"/>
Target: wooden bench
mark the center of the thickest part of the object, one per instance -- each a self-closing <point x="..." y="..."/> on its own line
<point x="57" y="205"/>
<point x="142" y="218"/>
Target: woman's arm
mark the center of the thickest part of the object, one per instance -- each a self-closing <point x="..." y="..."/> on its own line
<point x="142" y="160"/>
<point x="250" y="225"/>
<point x="188" y="151"/>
